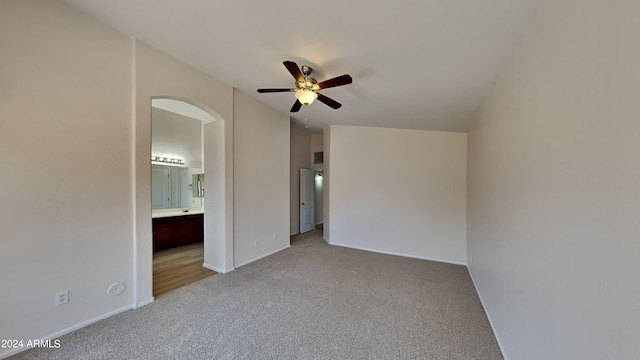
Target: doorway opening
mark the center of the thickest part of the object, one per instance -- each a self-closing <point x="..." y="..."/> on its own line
<point x="311" y="200"/>
<point x="179" y="237"/>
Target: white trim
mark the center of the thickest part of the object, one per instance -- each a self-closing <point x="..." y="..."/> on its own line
<point x="216" y="269"/>
<point x="134" y="174"/>
<point x="60" y="333"/>
<point x="493" y="328"/>
<point x="262" y="256"/>
<point x="399" y="254"/>
<point x="143" y="303"/>
<point x="295" y="233"/>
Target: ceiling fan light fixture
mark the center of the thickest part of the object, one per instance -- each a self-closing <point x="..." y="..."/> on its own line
<point x="306" y="87"/>
<point x="305" y="96"/>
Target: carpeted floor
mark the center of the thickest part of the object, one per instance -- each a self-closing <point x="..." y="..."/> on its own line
<point x="312" y="301"/>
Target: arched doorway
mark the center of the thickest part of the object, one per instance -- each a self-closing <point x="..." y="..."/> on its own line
<point x="216" y="204"/>
<point x="177" y="194"/>
<point x="212" y="163"/>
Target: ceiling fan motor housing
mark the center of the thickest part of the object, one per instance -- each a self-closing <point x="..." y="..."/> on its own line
<point x="306" y="70"/>
<point x="308" y="83"/>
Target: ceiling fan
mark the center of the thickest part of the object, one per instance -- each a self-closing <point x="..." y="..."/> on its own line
<point x="307" y="87"/>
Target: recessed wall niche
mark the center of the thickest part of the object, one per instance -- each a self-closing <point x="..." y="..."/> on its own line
<point x="318" y="157"/>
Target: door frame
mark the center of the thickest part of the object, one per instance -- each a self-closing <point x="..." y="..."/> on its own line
<point x="307" y="200"/>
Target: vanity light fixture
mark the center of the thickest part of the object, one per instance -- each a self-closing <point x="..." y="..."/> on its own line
<point x="167" y="160"/>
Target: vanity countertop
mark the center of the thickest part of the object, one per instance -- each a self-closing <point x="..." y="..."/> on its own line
<point x="160" y="213"/>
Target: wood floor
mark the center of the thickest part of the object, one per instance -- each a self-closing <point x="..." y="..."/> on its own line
<point x="178" y="267"/>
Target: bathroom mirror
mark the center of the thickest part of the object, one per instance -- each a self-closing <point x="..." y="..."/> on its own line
<point x="174" y="187"/>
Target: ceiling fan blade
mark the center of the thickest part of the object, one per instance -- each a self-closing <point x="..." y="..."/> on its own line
<point x="294" y="70"/>
<point x="274" y="90"/>
<point x="329" y="101"/>
<point x="296" y="107"/>
<point x="336" y="81"/>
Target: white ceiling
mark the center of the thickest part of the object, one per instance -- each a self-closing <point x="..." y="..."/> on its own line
<point x="423" y="64"/>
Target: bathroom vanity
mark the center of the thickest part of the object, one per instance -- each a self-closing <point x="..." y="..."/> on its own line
<point x="172" y="229"/>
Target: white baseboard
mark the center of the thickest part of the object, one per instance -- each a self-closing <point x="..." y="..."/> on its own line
<point x="400" y="254"/>
<point x="263" y="256"/>
<point x="295" y="233"/>
<point x="493" y="328"/>
<point x="143" y="303"/>
<point x="60" y="333"/>
<point x="216" y="269"/>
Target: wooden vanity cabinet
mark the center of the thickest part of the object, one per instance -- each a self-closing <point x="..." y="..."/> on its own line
<point x="176" y="231"/>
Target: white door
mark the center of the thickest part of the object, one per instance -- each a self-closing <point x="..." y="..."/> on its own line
<point x="160" y="188"/>
<point x="307" y="206"/>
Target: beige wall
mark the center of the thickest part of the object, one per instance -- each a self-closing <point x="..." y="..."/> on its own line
<point x="317" y="144"/>
<point x="398" y="191"/>
<point x="326" y="184"/>
<point x="65" y="188"/>
<point x="261" y="175"/>
<point x="75" y="134"/>
<point x="174" y="135"/>
<point x="160" y="75"/>
<point x="553" y="187"/>
<point x="300" y="149"/>
<point x="218" y="201"/>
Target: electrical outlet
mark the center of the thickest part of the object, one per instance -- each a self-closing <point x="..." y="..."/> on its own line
<point x="275" y="236"/>
<point x="471" y="259"/>
<point x="256" y="243"/>
<point x="62" y="297"/>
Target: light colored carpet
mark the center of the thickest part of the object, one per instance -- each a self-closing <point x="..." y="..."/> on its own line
<point x="312" y="301"/>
